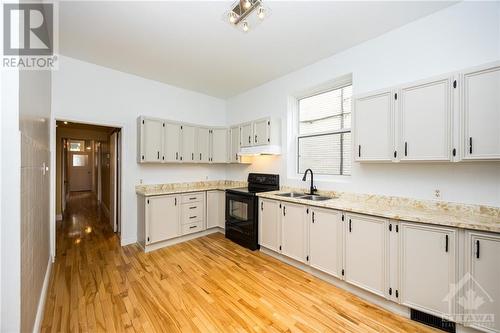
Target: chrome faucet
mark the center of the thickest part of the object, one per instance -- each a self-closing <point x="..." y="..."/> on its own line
<point x="313" y="188"/>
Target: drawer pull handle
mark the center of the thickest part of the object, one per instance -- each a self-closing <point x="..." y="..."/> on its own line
<point x="193" y="207"/>
<point x="193" y="226"/>
<point x="192" y="198"/>
<point x="193" y="217"/>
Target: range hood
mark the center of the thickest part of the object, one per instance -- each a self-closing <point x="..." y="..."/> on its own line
<point x="260" y="150"/>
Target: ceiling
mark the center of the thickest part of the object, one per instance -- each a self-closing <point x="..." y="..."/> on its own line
<point x="187" y="43"/>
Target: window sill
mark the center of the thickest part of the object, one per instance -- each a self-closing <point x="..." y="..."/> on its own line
<point x="322" y="179"/>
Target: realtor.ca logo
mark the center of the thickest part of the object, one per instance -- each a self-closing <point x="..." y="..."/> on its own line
<point x="29" y="36"/>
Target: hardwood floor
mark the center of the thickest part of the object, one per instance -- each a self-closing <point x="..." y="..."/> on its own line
<point x="205" y="285"/>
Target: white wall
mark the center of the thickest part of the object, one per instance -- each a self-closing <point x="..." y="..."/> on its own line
<point x="89" y="93"/>
<point x="460" y="36"/>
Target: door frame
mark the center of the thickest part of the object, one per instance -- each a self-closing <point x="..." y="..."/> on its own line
<point x="53" y="163"/>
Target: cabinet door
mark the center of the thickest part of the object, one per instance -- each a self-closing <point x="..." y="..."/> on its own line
<point x="269" y="224"/>
<point x="188" y="143"/>
<point x="246" y="135"/>
<point x="483" y="265"/>
<point x="213" y="209"/>
<point x="152" y="140"/>
<point x="374" y="127"/>
<point x="162" y="218"/>
<point x="172" y="142"/>
<point x="428" y="269"/>
<point x="326" y="241"/>
<point x="235" y="144"/>
<point x="425" y="111"/>
<point x="481" y="113"/>
<point x="261" y="133"/>
<point x="220" y="142"/>
<point x="203" y="146"/>
<point x="365" y="252"/>
<point x="294" y="231"/>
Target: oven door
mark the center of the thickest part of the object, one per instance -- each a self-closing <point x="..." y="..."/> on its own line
<point x="240" y="216"/>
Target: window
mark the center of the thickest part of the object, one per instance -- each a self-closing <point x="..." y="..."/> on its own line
<point x="80" y="160"/>
<point x="324" y="137"/>
<point x="76" y="145"/>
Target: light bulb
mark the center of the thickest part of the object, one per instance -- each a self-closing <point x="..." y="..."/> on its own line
<point x="245" y="26"/>
<point x="232" y="17"/>
<point x="261" y="13"/>
<point x="247" y="4"/>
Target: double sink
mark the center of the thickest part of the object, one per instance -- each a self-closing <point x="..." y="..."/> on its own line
<point x="312" y="197"/>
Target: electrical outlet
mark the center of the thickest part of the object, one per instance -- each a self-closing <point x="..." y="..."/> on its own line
<point x="140" y="181"/>
<point x="437" y="194"/>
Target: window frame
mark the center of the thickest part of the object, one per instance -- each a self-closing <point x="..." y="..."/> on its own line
<point x="338" y="84"/>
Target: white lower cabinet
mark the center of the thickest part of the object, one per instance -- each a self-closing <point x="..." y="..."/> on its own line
<point x="294" y="231"/>
<point x="270" y="224"/>
<point x="365" y="252"/>
<point x="216" y="209"/>
<point x="162" y="218"/>
<point x="326" y="241"/>
<point x="482" y="280"/>
<point x="428" y="268"/>
<point x="193" y="212"/>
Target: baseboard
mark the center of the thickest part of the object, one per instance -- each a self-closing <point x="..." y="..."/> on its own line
<point x="181" y="239"/>
<point x="59" y="217"/>
<point x="127" y="241"/>
<point x="43" y="297"/>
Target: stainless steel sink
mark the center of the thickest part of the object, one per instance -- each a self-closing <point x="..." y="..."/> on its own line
<point x="292" y="195"/>
<point x="315" y="197"/>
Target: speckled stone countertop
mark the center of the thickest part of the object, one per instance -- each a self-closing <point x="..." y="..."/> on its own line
<point x="172" y="188"/>
<point x="464" y="216"/>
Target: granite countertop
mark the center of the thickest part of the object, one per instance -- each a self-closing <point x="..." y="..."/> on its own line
<point x="173" y="188"/>
<point x="476" y="217"/>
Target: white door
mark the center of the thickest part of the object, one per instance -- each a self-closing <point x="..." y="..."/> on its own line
<point x="113" y="174"/>
<point x="172" y="142"/>
<point x="483" y="265"/>
<point x="365" y="252"/>
<point x="220" y="143"/>
<point x="427" y="263"/>
<point x="326" y="241"/>
<point x="425" y="110"/>
<point x="203" y="146"/>
<point x="481" y="113"/>
<point x="374" y="127"/>
<point x="294" y="231"/>
<point x="216" y="209"/>
<point x="269" y="224"/>
<point x="261" y="133"/>
<point x="162" y="214"/>
<point x="80" y="171"/>
<point x="235" y="144"/>
<point x="246" y="131"/>
<point x="188" y="143"/>
<point x="152" y="140"/>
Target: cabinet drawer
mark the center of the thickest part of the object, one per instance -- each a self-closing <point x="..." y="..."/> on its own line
<point x="192" y="227"/>
<point x="192" y="212"/>
<point x="192" y="197"/>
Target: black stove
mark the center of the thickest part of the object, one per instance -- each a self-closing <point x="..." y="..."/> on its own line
<point x="242" y="213"/>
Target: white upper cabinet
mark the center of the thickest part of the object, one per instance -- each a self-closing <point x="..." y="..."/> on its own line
<point x="269" y="224"/>
<point x="235" y="144"/>
<point x="162" y="218"/>
<point x="246" y="135"/>
<point x="326" y="241"/>
<point x="428" y="268"/>
<point x="261" y="132"/>
<point x="294" y="231"/>
<point x="150" y="132"/>
<point x="188" y="143"/>
<point x="365" y="252"/>
<point x="481" y="113"/>
<point x="425" y="111"/>
<point x="203" y="147"/>
<point x="219" y="145"/>
<point x="374" y="127"/>
<point x="172" y="142"/>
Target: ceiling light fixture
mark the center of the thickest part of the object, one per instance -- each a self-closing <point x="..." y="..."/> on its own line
<point x="246" y="14"/>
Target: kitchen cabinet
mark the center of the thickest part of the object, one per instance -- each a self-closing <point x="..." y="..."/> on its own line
<point x="326" y="241"/>
<point x="246" y="134"/>
<point x="481" y="113"/>
<point x="483" y="264"/>
<point x="428" y="267"/>
<point x="172" y="142"/>
<point x="150" y="131"/>
<point x="261" y="132"/>
<point x="188" y="143"/>
<point x="365" y="252"/>
<point x="216" y="209"/>
<point x="192" y="212"/>
<point x="219" y="145"/>
<point x="162" y="218"/>
<point x="374" y="126"/>
<point x="235" y="144"/>
<point x="393" y="262"/>
<point x="294" y="231"/>
<point x="203" y="145"/>
<point x="425" y="112"/>
<point x="269" y="224"/>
